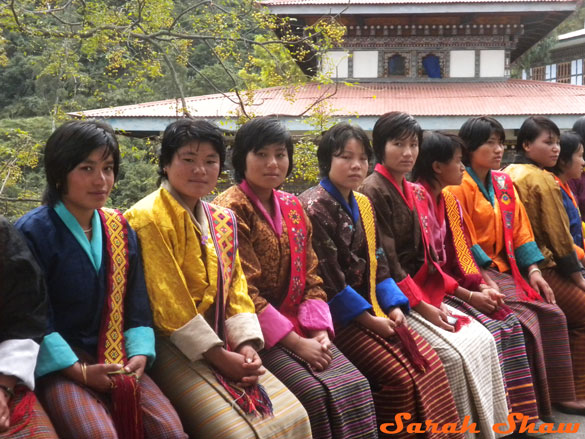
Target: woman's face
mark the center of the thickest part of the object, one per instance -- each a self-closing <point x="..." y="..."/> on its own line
<point x="193" y="171"/>
<point x="544" y="150"/>
<point x="267" y="167"/>
<point x="400" y="155"/>
<point x="450" y="173"/>
<point x="574" y="169"/>
<point x="349" y="166"/>
<point x="488" y="155"/>
<point x="89" y="184"/>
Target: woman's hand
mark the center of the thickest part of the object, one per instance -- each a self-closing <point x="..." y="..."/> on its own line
<point x="485" y="301"/>
<point x="136" y="365"/>
<point x="382" y="326"/>
<point x="4" y="411"/>
<point x="436" y="316"/>
<point x="397" y="316"/>
<point x="541" y="286"/>
<point x="235" y="366"/>
<point x="8" y="381"/>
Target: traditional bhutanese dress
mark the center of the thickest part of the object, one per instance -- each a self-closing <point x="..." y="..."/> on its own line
<point x="199" y="298"/>
<point x="545" y="326"/>
<point x="354" y="267"/>
<point x="576" y="225"/>
<point x="577" y="185"/>
<point x="470" y="356"/>
<point x="98" y="312"/>
<point x="542" y="198"/>
<point x="281" y="269"/>
<point x="452" y="245"/>
<point x="23" y="308"/>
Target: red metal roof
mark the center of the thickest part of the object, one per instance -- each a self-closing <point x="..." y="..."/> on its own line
<point x="503" y="98"/>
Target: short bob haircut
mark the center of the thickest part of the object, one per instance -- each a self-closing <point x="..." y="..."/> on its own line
<point x="476" y="131"/>
<point x="333" y="142"/>
<point x="579" y="127"/>
<point x="570" y="142"/>
<point x="435" y="147"/>
<point x="68" y="146"/>
<point x="393" y="126"/>
<point x="532" y="128"/>
<point x="185" y="131"/>
<point x="255" y="135"/>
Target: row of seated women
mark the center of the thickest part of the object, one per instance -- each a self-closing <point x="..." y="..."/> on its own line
<point x="274" y="316"/>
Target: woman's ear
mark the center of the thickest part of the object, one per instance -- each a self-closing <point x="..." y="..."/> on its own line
<point x="437" y="167"/>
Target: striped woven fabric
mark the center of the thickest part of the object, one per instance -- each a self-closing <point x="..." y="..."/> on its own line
<point x="547" y="345"/>
<point x="208" y="411"/>
<point x="470" y="359"/>
<point x="397" y="387"/>
<point x="571" y="300"/>
<point x="38" y="425"/>
<point x="513" y="359"/>
<point x="338" y="399"/>
<point x="78" y="412"/>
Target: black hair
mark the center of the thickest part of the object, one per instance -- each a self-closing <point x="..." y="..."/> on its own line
<point x="393" y="125"/>
<point x="333" y="142"/>
<point x="435" y="147"/>
<point x="68" y="146"/>
<point x="185" y="131"/>
<point x="532" y="128"/>
<point x="579" y="127"/>
<point x="255" y="135"/>
<point x="569" y="142"/>
<point x="476" y="131"/>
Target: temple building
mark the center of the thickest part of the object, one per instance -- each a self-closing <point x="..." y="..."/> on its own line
<point x="440" y="60"/>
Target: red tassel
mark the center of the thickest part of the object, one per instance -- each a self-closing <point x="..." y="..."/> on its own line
<point x="126" y="413"/>
<point x="22" y="411"/>
<point x="501" y="314"/>
<point x="411" y="349"/>
<point x="252" y="400"/>
<point x="461" y="322"/>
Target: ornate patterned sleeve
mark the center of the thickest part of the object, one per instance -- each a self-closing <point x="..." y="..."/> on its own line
<point x="314" y="313"/>
<point x="344" y="302"/>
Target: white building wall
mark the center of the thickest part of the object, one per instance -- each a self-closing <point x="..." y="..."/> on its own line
<point x="492" y="63"/>
<point x="365" y="64"/>
<point x="462" y="64"/>
<point x="335" y="64"/>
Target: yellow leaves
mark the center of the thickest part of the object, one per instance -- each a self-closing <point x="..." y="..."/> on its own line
<point x="17" y="150"/>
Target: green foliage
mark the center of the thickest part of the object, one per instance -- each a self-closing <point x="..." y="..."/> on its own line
<point x="61" y="56"/>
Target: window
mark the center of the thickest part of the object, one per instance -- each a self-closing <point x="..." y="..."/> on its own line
<point x="550" y="73"/>
<point x="396" y="64"/>
<point x="431" y="66"/>
<point x="537" y="73"/>
<point x="564" y="72"/>
<point x="577" y="72"/>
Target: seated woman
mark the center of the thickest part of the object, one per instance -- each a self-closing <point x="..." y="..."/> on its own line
<point x="208" y="333"/>
<point x="570" y="167"/>
<point x="503" y="245"/>
<point x="280" y="265"/>
<point x="537" y="147"/>
<point x="578" y="184"/>
<point x="366" y="305"/>
<point x="467" y="350"/>
<point x="99" y="339"/>
<point x="23" y="317"/>
<point x="437" y="166"/>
